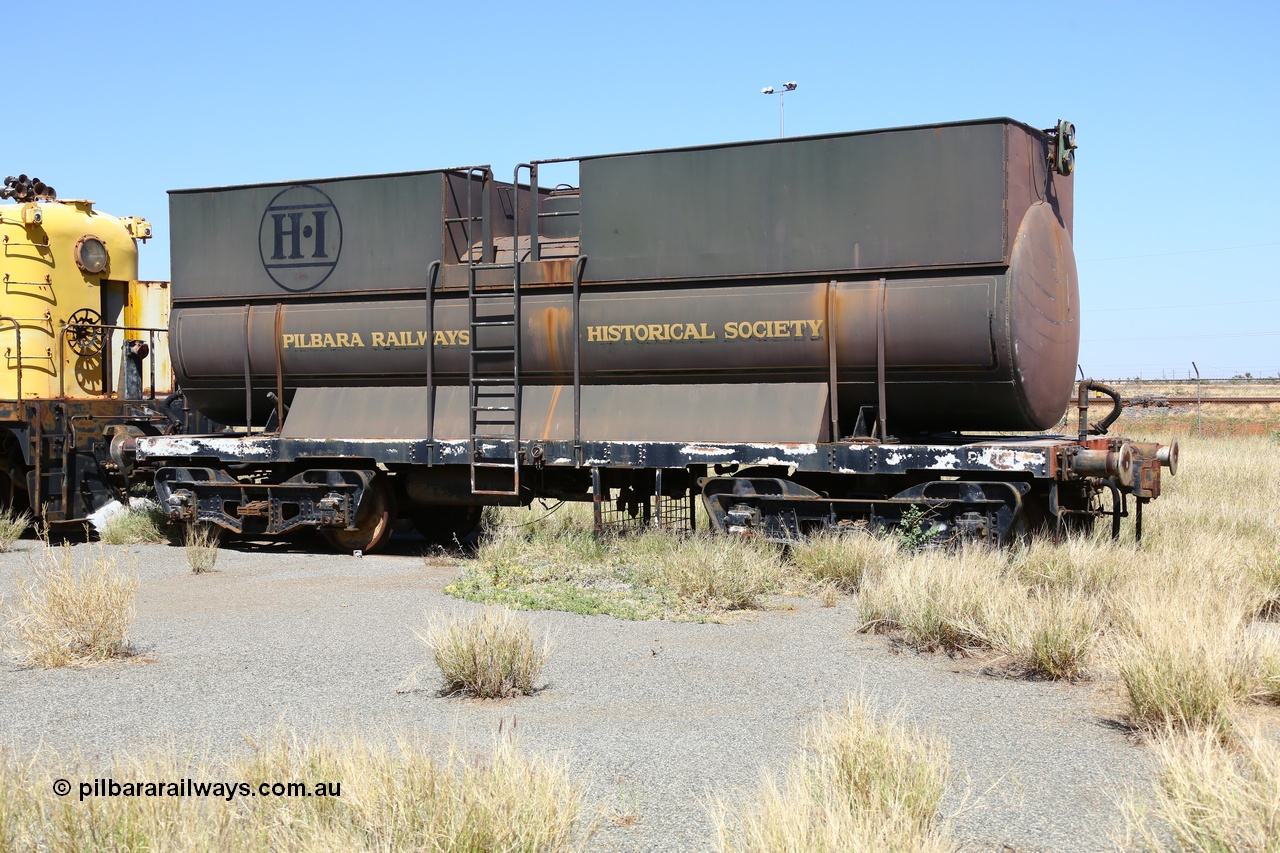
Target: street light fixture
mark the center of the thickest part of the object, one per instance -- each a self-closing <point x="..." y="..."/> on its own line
<point x="789" y="86"/>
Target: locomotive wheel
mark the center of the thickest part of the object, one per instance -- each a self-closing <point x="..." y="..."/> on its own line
<point x="374" y="521"/>
<point x="447" y="525"/>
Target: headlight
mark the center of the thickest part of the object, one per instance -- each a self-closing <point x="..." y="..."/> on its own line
<point x="91" y="254"/>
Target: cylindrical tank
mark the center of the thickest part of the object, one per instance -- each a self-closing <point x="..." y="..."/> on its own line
<point x="989" y="351"/>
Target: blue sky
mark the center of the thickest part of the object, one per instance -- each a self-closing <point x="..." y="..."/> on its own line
<point x="1176" y="106"/>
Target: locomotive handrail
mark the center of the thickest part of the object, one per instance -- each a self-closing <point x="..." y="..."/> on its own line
<point x="17" y="332"/>
<point x="109" y="328"/>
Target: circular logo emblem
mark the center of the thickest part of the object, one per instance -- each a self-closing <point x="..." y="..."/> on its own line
<point x="300" y="238"/>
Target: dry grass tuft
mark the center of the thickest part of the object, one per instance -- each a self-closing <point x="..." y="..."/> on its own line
<point x="558" y="563"/>
<point x="843" y="560"/>
<point x="67" y="615"/>
<point x="12" y="527"/>
<point x="1183" y="655"/>
<point x="491" y="656"/>
<point x="1060" y="633"/>
<point x="201" y="544"/>
<point x="710" y="572"/>
<point x="862" y="785"/>
<point x="1266" y="673"/>
<point x="398" y="798"/>
<point x="977" y="599"/>
<point x="1209" y="798"/>
<point x="940" y="599"/>
<point x="135" y="527"/>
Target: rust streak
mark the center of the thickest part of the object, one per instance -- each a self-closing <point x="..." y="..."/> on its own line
<point x="551" y="412"/>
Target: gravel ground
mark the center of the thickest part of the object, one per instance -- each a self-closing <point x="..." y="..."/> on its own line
<point x="659" y="716"/>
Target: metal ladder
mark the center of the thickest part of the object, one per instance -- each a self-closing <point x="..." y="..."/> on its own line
<point x="494" y="355"/>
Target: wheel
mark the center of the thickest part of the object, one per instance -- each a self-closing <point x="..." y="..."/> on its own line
<point x="447" y="525"/>
<point x="374" y="521"/>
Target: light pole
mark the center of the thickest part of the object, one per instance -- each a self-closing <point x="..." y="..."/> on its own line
<point x="782" y="94"/>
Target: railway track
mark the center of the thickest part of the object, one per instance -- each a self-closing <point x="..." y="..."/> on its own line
<point x="1159" y="401"/>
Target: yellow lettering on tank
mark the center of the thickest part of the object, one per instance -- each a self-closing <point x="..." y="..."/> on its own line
<point x="815" y="329"/>
<point x="285" y="340"/>
<point x="344" y="340"/>
<point x="464" y="338"/>
<point x="615" y="334"/>
<point x="593" y="334"/>
<point x="422" y="337"/>
<point x="730" y="331"/>
<point x="329" y="342"/>
<point x="379" y="339"/>
<point x="656" y="332"/>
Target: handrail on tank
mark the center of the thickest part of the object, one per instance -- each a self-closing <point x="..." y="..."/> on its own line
<point x="578" y="266"/>
<point x="62" y="350"/>
<point x="534" y="253"/>
<point x="433" y="274"/>
<point x="17" y="333"/>
<point x="486" y="228"/>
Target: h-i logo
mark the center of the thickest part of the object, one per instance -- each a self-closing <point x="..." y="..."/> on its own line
<point x="300" y="238"/>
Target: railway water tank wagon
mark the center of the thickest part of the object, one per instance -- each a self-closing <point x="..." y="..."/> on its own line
<point x="800" y="334"/>
<point x="85" y="358"/>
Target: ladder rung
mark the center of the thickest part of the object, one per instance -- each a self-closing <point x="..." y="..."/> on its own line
<point x="494" y="492"/>
<point x="510" y="322"/>
<point x="492" y="351"/>
<point x="494" y="464"/>
<point x="493" y="408"/>
<point x="493" y="266"/>
<point x="490" y="380"/>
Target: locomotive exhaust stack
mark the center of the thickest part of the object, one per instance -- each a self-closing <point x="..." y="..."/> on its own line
<point x="799" y="334"/>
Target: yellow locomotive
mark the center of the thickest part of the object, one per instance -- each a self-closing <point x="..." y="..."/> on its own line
<point x="85" y="365"/>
